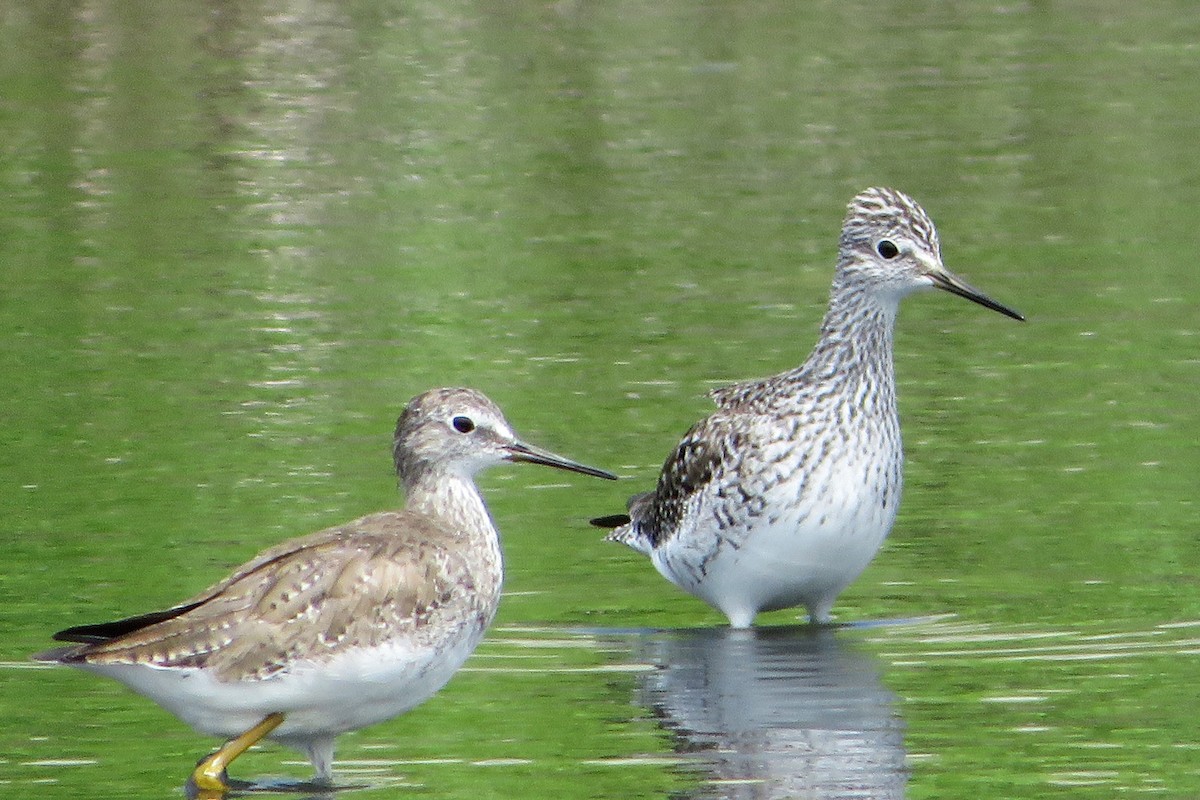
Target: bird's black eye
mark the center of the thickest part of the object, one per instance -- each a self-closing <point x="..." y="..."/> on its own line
<point x="463" y="424"/>
<point x="887" y="248"/>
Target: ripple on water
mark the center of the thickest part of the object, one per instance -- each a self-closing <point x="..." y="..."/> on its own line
<point x="946" y="639"/>
<point x="1096" y="703"/>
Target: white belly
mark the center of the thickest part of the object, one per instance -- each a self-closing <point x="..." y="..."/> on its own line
<point x="356" y="689"/>
<point x="803" y="550"/>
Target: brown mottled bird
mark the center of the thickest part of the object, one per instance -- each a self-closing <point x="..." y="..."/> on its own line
<point x="345" y="627"/>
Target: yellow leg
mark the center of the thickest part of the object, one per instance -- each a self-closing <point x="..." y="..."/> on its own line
<point x="208" y="776"/>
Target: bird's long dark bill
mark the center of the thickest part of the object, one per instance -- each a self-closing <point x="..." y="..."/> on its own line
<point x="521" y="452"/>
<point x="956" y="285"/>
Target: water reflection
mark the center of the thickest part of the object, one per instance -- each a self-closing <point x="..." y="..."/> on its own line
<point x="783" y="712"/>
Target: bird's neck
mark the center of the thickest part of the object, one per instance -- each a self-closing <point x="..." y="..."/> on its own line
<point x="856" y="340"/>
<point x="453" y="502"/>
<point x="453" y="497"/>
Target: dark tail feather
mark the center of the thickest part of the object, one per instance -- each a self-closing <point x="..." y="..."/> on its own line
<point x="611" y="521"/>
<point x="639" y="504"/>
<point x="107" y="631"/>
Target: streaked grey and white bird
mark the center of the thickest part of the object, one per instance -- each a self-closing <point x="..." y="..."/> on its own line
<point x="784" y="495"/>
<point x="343" y="628"/>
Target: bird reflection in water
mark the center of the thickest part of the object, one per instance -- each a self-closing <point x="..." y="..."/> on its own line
<point x="778" y="713"/>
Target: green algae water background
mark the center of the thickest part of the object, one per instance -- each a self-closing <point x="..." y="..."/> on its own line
<point x="235" y="237"/>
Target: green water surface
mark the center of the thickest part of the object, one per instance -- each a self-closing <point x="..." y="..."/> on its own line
<point x="235" y="237"/>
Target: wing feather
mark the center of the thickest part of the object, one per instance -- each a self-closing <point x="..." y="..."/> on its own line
<point x="701" y="457"/>
<point x="385" y="575"/>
